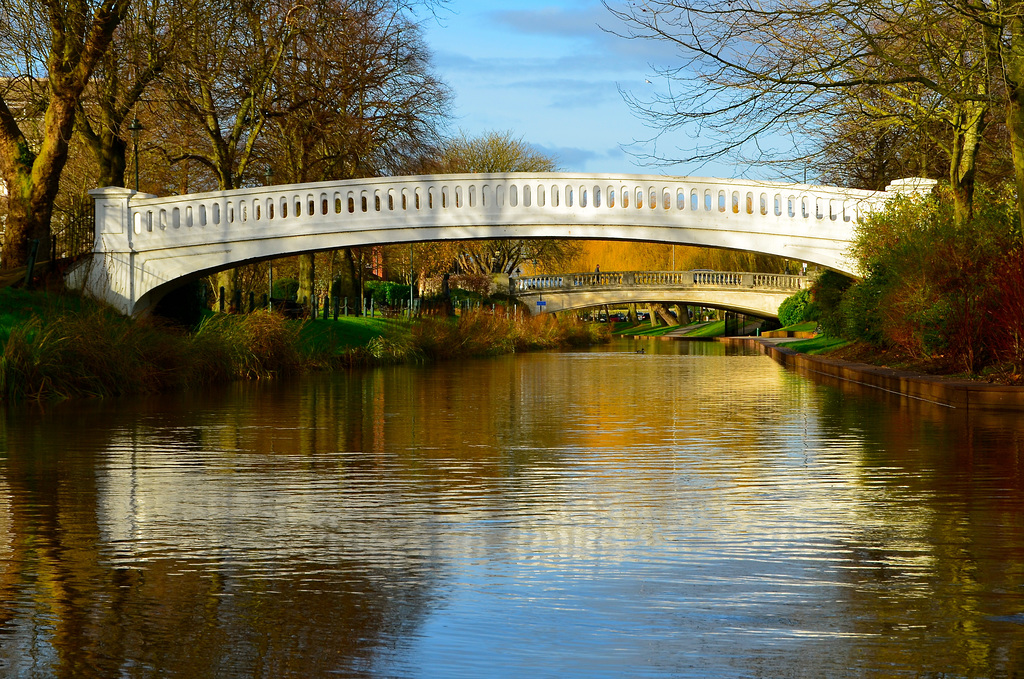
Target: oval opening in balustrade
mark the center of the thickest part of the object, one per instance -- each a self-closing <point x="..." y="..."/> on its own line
<point x="430" y="197"/>
<point x="364" y="203"/>
<point x="444" y="196"/>
<point x="391" y="199"/>
<point x="458" y="196"/>
<point x="499" y="195"/>
<point x="376" y="201"/>
<point x="202" y="215"/>
<point x="625" y="197"/>
<point x="324" y="204"/>
<point x="138" y="223"/>
<point x="472" y="195"/>
<point x="639" y="195"/>
<point x="666" y="199"/>
<point x="310" y="206"/>
<point x="526" y="195"/>
<point x="231" y="213"/>
<point x="721" y="201"/>
<point x="749" y="202"/>
<point x="337" y="204"/>
<point x="568" y="196"/>
<point x="149" y="221"/>
<point x="803" y="207"/>
<point x="245" y="212"/>
<point x="708" y="200"/>
<point x="416" y="198"/>
<point x="818" y="213"/>
<point x="652" y="196"/>
<point x="405" y="199"/>
<point x="351" y="204"/>
<point x="188" y="215"/>
<point x="583" y="196"/>
<point x="541" y="195"/>
<point x="176" y="218"/>
<point x="513" y="195"/>
<point x="556" y="196"/>
<point x="736" y="202"/>
<point x="298" y="208"/>
<point x="216" y="213"/>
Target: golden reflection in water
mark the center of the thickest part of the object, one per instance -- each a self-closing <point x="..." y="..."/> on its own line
<point x="712" y="507"/>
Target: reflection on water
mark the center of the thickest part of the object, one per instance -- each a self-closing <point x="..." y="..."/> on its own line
<point x="689" y="511"/>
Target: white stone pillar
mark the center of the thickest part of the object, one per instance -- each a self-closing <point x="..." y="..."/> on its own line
<point x="108" y="275"/>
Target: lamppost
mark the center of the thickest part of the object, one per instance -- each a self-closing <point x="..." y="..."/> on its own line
<point x="135" y="127"/>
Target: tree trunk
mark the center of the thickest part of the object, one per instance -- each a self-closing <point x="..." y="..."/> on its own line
<point x="1015" y="127"/>
<point x="307" y="278"/>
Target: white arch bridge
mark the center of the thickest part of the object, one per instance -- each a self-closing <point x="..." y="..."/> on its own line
<point x="755" y="294"/>
<point x="148" y="245"/>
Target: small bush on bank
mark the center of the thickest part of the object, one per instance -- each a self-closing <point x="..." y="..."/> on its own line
<point x="827" y="296"/>
<point x="793" y="308"/>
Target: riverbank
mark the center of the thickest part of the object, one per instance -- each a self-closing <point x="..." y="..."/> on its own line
<point x="944" y="391"/>
<point x="62" y="346"/>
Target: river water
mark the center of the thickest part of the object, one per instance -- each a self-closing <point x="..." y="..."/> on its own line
<point x="691" y="511"/>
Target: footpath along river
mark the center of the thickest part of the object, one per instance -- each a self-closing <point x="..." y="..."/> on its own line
<point x="693" y="511"/>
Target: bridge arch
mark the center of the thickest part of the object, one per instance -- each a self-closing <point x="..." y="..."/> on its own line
<point x="148" y="245"/>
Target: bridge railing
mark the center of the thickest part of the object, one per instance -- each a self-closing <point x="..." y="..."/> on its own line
<point x="658" y="279"/>
<point x="460" y="200"/>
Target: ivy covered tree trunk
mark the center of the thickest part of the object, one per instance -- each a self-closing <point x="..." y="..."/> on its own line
<point x="78" y="37"/>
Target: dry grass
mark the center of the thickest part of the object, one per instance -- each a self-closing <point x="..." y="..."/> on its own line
<point x="97" y="353"/>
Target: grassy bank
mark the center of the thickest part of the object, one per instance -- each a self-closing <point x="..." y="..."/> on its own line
<point x="66" y="347"/>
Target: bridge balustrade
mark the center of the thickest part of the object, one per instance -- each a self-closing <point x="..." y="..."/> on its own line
<point x="671" y="279"/>
<point x="256" y="207"/>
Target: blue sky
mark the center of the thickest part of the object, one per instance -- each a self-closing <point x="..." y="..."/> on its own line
<point x="546" y="70"/>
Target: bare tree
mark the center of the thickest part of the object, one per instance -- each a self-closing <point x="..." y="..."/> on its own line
<point x="359" y="104"/>
<point x="142" y="46"/>
<point x="749" y="68"/>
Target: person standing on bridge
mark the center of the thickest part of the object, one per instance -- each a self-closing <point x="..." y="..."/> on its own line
<point x="597" y="269"/>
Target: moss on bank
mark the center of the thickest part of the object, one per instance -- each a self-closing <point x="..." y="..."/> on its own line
<point x="66" y="347"/>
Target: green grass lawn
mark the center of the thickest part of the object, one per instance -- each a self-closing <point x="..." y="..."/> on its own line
<point x="805" y="326"/>
<point x="713" y="329"/>
<point x="643" y="329"/>
<point x="347" y="332"/>
<point x="18" y="305"/>
<point x="818" y="345"/>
